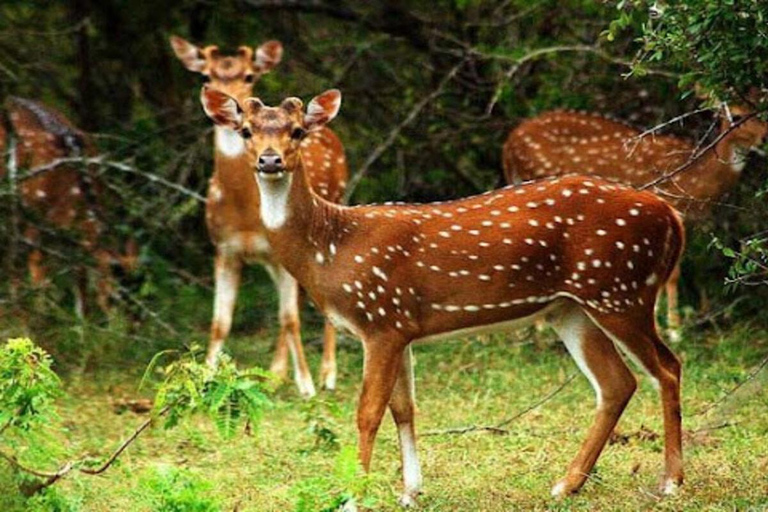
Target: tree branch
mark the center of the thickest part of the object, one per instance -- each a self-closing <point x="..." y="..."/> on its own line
<point x="499" y="427"/>
<point x="390" y="139"/>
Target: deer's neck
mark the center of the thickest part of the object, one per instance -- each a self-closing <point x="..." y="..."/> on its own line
<point x="299" y="223"/>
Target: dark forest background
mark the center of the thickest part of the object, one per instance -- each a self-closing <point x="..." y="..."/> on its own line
<point x="430" y="91"/>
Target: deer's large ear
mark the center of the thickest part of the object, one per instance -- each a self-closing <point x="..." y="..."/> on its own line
<point x="222" y="108"/>
<point x="268" y="55"/>
<point x="322" y="109"/>
<point x="189" y="55"/>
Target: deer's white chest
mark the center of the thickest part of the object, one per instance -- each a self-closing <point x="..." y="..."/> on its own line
<point x="228" y="142"/>
<point x="274" y="200"/>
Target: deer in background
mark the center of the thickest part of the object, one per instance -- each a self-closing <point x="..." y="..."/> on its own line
<point x="66" y="196"/>
<point x="563" y="142"/>
<point x="589" y="255"/>
<point x="232" y="209"/>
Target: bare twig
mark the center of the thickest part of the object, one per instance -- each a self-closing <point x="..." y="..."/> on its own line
<point x="517" y="62"/>
<point x="738" y="386"/>
<point x="499" y="427"/>
<point x="390" y="139"/>
<point x="120" y="166"/>
<point x="635" y="141"/>
<point x="53" y="477"/>
<point x="695" y="157"/>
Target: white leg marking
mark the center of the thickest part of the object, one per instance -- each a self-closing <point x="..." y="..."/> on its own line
<point x="274" y="194"/>
<point x="670" y="487"/>
<point x="408" y="452"/>
<point x="558" y="490"/>
<point x="227" y="279"/>
<point x="288" y="289"/>
<point x="228" y="142"/>
<point x="570" y="328"/>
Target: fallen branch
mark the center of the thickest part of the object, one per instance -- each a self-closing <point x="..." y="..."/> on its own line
<point x="499" y="427"/>
<point x="52" y="477"/>
<point x="738" y="386"/>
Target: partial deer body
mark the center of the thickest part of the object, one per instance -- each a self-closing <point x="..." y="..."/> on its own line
<point x="588" y="255"/>
<point x="564" y="142"/>
<point x="233" y="212"/>
<point x="67" y="196"/>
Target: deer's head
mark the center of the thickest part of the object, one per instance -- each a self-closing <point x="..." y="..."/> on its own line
<point x="272" y="135"/>
<point x="233" y="74"/>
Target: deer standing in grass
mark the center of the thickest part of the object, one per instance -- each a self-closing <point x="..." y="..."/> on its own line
<point x="232" y="209"/>
<point x="564" y="142"/>
<point x="66" y="196"/>
<point x="586" y="254"/>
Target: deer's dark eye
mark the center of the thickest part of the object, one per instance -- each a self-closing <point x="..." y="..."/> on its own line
<point x="246" y="133"/>
<point x="298" y="133"/>
<point x="249" y="78"/>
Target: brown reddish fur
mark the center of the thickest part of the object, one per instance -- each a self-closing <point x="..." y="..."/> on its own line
<point x="65" y="196"/>
<point x="565" y="142"/>
<point x="400" y="273"/>
<point x="236" y="211"/>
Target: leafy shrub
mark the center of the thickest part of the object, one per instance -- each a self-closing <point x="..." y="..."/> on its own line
<point x="331" y="491"/>
<point x="28" y="385"/>
<point x="226" y="395"/>
<point x="170" y="489"/>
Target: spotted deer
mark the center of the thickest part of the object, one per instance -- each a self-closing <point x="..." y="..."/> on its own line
<point x="586" y="254"/>
<point x="563" y="142"/>
<point x="66" y="196"/>
<point x="232" y="209"/>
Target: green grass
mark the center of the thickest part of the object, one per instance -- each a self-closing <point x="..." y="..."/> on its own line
<point x="462" y="382"/>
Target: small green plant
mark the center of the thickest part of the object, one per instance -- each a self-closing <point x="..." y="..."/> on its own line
<point x="226" y="395"/>
<point x="28" y="385"/>
<point x="330" y="492"/>
<point x="320" y="416"/>
<point x="170" y="489"/>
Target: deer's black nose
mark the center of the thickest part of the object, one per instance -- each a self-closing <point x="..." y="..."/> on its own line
<point x="270" y="161"/>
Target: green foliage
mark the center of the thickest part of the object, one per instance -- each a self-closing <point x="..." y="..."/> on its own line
<point x="52" y="499"/>
<point x="28" y="385"/>
<point x="170" y="489"/>
<point x="226" y="395"/>
<point x="719" y="45"/>
<point x="321" y="417"/>
<point x="330" y="492"/>
<point x="749" y="263"/>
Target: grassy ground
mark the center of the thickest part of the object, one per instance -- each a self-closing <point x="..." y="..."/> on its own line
<point x="478" y="381"/>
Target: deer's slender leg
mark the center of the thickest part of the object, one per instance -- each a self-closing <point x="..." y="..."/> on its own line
<point x="640" y="340"/>
<point x="403" y="408"/>
<point x="328" y="366"/>
<point x="227" y="276"/>
<point x="290" y="332"/>
<point x="673" y="313"/>
<point x="380" y="372"/>
<point x="612" y="381"/>
<point x="37" y="273"/>
<point x="104" y="284"/>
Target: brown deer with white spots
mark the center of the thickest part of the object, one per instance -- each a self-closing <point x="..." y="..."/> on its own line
<point x="564" y="142"/>
<point x="232" y="209"/>
<point x="588" y="255"/>
<point x="66" y="196"/>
